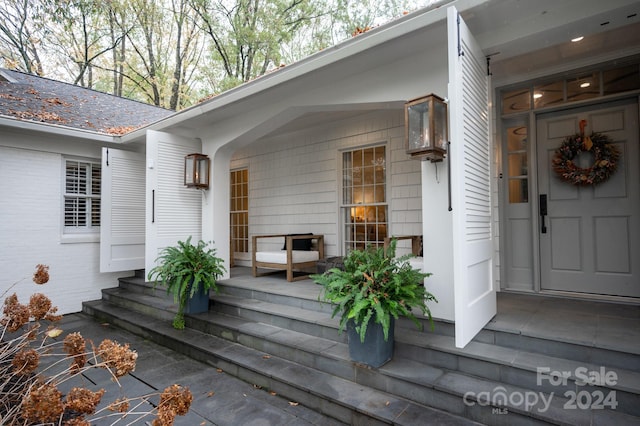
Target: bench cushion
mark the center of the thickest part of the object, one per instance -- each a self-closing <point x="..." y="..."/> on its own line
<point x="280" y="257"/>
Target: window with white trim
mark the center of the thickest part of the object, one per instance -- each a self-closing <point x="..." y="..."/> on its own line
<point x="81" y="202"/>
<point x="364" y="197"/>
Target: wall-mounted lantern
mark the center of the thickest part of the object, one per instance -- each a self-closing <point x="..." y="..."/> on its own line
<point x="426" y="128"/>
<point x="196" y="171"/>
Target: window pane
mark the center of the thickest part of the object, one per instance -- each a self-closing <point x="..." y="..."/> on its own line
<point x="583" y="87"/>
<point x="518" y="190"/>
<point x="516" y="101"/>
<point x="548" y="94"/>
<point x="621" y="79"/>
<point x="517" y="164"/>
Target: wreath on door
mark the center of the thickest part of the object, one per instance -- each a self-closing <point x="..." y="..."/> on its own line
<point x="605" y="157"/>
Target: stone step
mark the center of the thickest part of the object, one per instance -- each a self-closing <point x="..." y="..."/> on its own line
<point x="494" y="333"/>
<point x="341" y="399"/>
<point x="503" y="366"/>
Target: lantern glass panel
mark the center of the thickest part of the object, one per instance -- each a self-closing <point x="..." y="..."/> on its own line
<point x="188" y="170"/>
<point x="440" y="125"/>
<point x="418" y="122"/>
<point x="202" y="172"/>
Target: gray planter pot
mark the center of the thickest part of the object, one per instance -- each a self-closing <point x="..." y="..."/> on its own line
<point x="198" y="304"/>
<point x="375" y="351"/>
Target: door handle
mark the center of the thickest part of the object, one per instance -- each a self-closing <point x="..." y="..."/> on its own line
<point x="543" y="212"/>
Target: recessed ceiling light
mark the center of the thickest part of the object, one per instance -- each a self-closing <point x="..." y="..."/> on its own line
<point x="577" y="39"/>
<point x="537" y="95"/>
<point x="585" y="84"/>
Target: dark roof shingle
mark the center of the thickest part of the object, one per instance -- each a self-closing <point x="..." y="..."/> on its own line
<point x="29" y="97"/>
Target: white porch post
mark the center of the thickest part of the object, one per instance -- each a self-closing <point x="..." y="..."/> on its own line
<point x="438" y="240"/>
<point x="215" y="206"/>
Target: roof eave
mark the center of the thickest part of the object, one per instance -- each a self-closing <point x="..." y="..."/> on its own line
<point x="348" y="48"/>
<point x="56" y="129"/>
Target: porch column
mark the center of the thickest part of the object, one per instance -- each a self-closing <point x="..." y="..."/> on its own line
<point x="215" y="208"/>
<point x="438" y="238"/>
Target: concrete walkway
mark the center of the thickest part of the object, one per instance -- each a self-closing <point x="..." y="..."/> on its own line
<point x="218" y="398"/>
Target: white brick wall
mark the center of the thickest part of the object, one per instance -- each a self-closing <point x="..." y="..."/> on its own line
<point x="294" y="179"/>
<point x="31" y="231"/>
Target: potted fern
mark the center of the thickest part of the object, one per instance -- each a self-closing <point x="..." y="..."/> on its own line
<point x="188" y="272"/>
<point x="373" y="290"/>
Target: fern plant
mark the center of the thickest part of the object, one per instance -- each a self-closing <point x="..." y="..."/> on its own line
<point x="186" y="269"/>
<point x="377" y="285"/>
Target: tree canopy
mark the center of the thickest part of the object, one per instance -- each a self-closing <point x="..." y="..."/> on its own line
<point x="172" y="53"/>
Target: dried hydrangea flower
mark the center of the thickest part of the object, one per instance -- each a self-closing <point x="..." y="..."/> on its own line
<point x="39" y="305"/>
<point x="25" y="362"/>
<point x="15" y="314"/>
<point x="75" y="345"/>
<point x="120" y="405"/>
<point x="117" y="357"/>
<point x="174" y="401"/>
<point x="43" y="404"/>
<point x="83" y="400"/>
<point x="41" y="276"/>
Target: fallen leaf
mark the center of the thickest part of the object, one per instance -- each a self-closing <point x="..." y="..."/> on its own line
<point x="257" y="387"/>
<point x="210" y="394"/>
<point x="272" y="393"/>
<point x="266" y="356"/>
<point x="55" y="332"/>
<point x="387" y="403"/>
<point x="293" y="404"/>
<point x="219" y="370"/>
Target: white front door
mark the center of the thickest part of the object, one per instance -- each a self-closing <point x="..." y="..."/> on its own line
<point x="591" y="243"/>
<point x="475" y="298"/>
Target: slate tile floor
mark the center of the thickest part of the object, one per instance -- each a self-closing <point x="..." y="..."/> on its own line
<point x="218" y="398"/>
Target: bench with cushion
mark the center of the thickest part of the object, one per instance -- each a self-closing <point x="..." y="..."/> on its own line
<point x="300" y="253"/>
<point x="416" y="262"/>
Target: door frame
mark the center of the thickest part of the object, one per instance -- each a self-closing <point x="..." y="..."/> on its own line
<point x="531" y="119"/>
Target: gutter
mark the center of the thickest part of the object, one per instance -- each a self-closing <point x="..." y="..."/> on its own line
<point x="56" y="129"/>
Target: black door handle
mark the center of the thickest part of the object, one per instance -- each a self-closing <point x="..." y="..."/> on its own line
<point x="543" y="212"/>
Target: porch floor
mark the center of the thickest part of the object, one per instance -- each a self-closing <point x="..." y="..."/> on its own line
<point x="599" y="324"/>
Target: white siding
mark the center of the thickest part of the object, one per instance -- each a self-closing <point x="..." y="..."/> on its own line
<point x="31" y="232"/>
<point x="295" y="178"/>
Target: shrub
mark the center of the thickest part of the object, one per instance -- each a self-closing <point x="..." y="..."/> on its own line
<point x="29" y="391"/>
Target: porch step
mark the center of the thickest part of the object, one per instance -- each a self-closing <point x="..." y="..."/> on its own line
<point x="296" y="329"/>
<point x="342" y="399"/>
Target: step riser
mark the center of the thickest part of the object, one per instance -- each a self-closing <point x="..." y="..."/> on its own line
<point x="243" y="293"/>
<point x="585" y="354"/>
<point x="324" y="307"/>
<point x="312" y="329"/>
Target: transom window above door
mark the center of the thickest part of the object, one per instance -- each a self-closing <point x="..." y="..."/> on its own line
<point x="364" y="197"/>
<point x="579" y="86"/>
